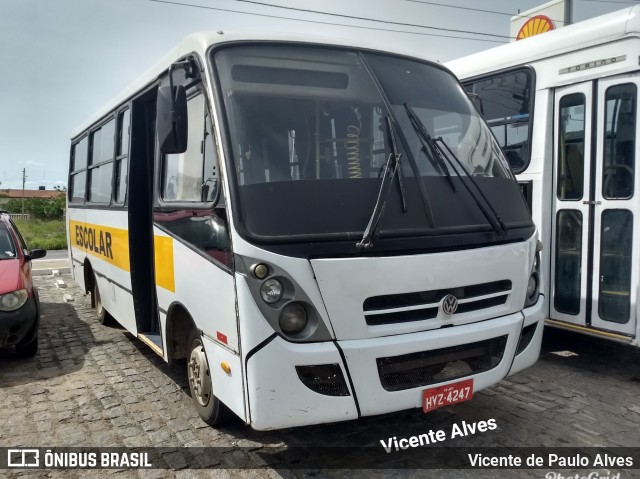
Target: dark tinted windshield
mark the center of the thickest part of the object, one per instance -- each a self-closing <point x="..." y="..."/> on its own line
<point x="309" y="136"/>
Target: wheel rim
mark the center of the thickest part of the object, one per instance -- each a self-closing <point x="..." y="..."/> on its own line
<point x="199" y="378"/>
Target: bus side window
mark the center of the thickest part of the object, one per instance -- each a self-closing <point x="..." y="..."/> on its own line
<point x="619" y="143"/>
<point x="571" y="147"/>
<point x="122" y="152"/>
<point x="506" y="100"/>
<point x="78" y="176"/>
<point x="192" y="177"/>
<point x="182" y="173"/>
<point x="206" y="230"/>
<point x="101" y="163"/>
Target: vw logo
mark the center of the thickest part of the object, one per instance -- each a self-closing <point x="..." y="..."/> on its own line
<point x="449" y="304"/>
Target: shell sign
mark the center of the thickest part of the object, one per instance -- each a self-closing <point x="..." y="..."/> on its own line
<point x="535" y="26"/>
<point x="543" y="18"/>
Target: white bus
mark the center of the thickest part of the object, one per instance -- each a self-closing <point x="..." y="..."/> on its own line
<point x="323" y="231"/>
<point x="563" y="106"/>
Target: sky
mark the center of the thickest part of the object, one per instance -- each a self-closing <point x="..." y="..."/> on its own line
<point x="62" y="60"/>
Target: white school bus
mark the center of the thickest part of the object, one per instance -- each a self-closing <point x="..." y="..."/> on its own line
<point x="323" y="231"/>
<point x="563" y="106"/>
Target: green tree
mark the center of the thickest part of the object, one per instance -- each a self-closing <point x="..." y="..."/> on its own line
<point x="39" y="208"/>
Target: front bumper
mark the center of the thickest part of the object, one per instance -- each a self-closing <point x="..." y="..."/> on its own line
<point x="529" y="354"/>
<point x="278" y="398"/>
<point x="19" y="326"/>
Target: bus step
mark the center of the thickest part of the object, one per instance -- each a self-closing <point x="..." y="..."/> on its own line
<point x="154" y="341"/>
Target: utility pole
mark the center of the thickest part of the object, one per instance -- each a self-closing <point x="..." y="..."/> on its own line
<point x="568" y="12"/>
<point x="24" y="178"/>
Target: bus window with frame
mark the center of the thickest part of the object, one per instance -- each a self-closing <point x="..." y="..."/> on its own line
<point x="78" y="176"/>
<point x="619" y="144"/>
<point x="571" y="143"/>
<point x="506" y="102"/>
<point x="182" y="173"/>
<point x="101" y="163"/>
<point x="192" y="177"/>
<point x="122" y="155"/>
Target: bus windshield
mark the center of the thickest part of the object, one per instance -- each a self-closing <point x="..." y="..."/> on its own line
<point x="309" y="128"/>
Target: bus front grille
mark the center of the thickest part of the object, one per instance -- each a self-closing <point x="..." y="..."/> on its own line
<point x="423" y="305"/>
<point x="430" y="367"/>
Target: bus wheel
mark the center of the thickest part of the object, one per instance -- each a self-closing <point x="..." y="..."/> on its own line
<point x="209" y="407"/>
<point x="101" y="314"/>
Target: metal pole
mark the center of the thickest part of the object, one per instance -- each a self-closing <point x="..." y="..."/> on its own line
<point x="568" y="12"/>
<point x="24" y="177"/>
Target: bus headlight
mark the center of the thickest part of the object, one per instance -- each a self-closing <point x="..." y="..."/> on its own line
<point x="271" y="291"/>
<point x="293" y="318"/>
<point x="14" y="300"/>
<point x="533" y="286"/>
<point x="283" y="302"/>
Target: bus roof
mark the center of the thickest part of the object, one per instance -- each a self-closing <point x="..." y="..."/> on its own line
<point x="595" y="31"/>
<point x="200" y="42"/>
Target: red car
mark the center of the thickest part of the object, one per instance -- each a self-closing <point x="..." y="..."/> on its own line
<point x="19" y="306"/>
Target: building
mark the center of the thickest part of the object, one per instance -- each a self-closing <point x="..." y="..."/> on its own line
<point x="16" y="194"/>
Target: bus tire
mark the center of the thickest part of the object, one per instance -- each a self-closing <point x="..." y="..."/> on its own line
<point x="209" y="407"/>
<point x="102" y="316"/>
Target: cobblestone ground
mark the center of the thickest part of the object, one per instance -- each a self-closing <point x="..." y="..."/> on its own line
<point x="91" y="385"/>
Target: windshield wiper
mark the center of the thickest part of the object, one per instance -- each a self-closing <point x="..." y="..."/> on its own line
<point x="485" y="205"/>
<point x="493" y="218"/>
<point x="435" y="157"/>
<point x="391" y="169"/>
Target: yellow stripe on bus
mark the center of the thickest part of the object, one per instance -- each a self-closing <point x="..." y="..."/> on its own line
<point x="112" y="245"/>
<point x="106" y="243"/>
<point x="163" y="257"/>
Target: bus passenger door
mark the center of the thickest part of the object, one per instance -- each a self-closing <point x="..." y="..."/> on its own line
<point x="594" y="243"/>
<point x="570" y="220"/>
<point x="615" y="207"/>
<point x="140" y="206"/>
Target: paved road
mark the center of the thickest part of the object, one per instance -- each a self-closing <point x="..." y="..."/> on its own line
<point x="56" y="254"/>
<point x="92" y="385"/>
<point x="55" y="259"/>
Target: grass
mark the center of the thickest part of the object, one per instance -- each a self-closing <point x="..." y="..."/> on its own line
<point x="50" y="234"/>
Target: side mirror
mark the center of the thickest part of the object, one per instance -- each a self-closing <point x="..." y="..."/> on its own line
<point x="36" y="254"/>
<point x="171" y="122"/>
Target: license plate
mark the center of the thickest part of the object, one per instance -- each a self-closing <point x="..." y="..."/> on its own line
<point x="435" y="398"/>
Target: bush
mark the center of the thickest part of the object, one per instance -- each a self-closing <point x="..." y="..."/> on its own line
<point x="39" y="208"/>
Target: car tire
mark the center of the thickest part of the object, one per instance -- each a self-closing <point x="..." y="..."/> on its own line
<point x="29" y="349"/>
<point x="101" y="314"/>
<point x="209" y="407"/>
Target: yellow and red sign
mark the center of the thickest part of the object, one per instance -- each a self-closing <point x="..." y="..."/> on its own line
<point x="543" y="18"/>
<point x="535" y="26"/>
